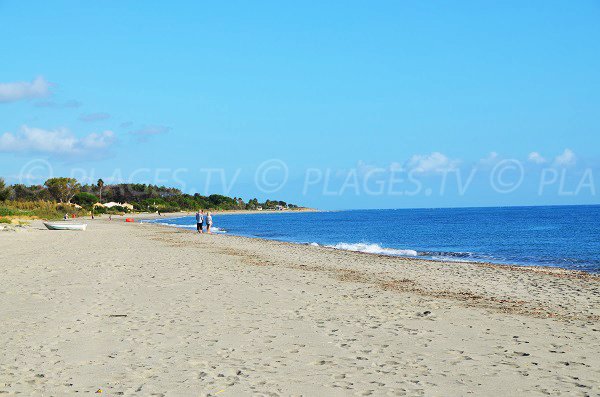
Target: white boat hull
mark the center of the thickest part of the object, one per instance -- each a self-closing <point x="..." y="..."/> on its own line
<point x="65" y="226"/>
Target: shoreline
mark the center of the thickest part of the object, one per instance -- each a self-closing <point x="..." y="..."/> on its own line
<point x="514" y="266"/>
<point x="136" y="309"/>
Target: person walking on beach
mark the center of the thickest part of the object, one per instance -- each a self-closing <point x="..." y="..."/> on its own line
<point x="199" y="221"/>
<point x="208" y="222"/>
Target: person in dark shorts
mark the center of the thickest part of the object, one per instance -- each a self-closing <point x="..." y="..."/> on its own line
<point x="199" y="221"/>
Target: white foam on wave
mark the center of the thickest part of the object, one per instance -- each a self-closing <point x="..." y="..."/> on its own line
<point x="177" y="225"/>
<point x="450" y="259"/>
<point x="373" y="249"/>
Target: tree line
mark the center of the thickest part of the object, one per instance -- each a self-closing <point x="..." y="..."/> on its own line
<point x="143" y="197"/>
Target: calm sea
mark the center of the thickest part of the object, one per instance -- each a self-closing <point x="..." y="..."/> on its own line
<point x="562" y="236"/>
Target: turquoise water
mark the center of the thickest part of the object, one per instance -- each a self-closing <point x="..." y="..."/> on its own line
<point x="561" y="236"/>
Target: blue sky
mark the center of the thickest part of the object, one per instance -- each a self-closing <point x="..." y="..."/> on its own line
<point x="173" y="92"/>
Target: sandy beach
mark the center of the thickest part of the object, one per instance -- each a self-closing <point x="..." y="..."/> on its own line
<point x="140" y="309"/>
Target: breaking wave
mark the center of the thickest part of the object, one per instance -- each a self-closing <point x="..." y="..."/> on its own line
<point x="373" y="249"/>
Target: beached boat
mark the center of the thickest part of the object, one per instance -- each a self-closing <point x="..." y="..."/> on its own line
<point x="65" y="226"/>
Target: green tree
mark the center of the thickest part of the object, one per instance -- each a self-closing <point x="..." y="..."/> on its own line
<point x="62" y="189"/>
<point x="4" y="191"/>
<point x="100" y="186"/>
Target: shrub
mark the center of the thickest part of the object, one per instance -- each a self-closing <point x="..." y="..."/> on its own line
<point x="40" y="209"/>
<point x="169" y="208"/>
<point x="99" y="210"/>
<point x="7" y="211"/>
<point x="85" y="199"/>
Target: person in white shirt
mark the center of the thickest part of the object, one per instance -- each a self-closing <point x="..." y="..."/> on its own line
<point x="209" y="222"/>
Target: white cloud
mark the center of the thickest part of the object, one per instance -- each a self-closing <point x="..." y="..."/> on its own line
<point x="491" y="159"/>
<point x="435" y="162"/>
<point x="97" y="141"/>
<point x="11" y="92"/>
<point x="565" y="158"/>
<point x="536" y="157"/>
<point x="58" y="142"/>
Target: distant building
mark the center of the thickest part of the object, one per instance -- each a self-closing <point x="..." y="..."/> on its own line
<point x="124" y="205"/>
<point x="128" y="206"/>
<point x="99" y="205"/>
<point x="259" y="208"/>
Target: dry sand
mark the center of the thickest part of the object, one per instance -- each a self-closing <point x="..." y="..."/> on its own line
<point x="136" y="309"/>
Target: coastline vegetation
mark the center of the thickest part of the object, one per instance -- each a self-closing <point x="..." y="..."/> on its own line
<point x="58" y="196"/>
